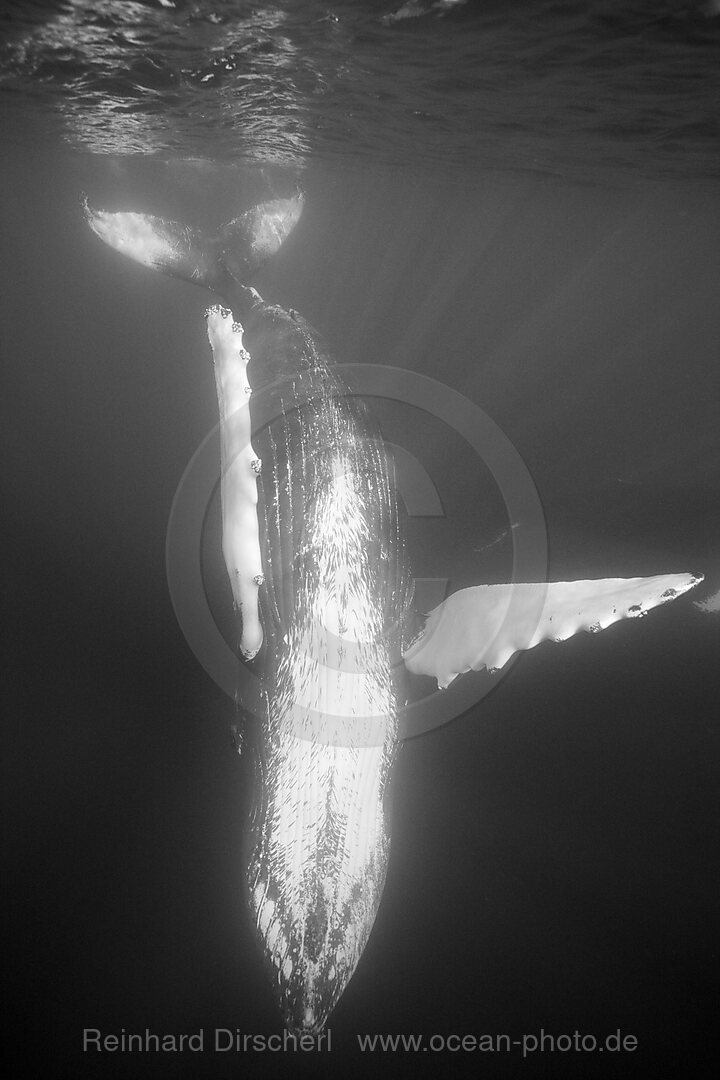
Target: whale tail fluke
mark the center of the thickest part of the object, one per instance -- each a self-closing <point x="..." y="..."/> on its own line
<point x="215" y="261"/>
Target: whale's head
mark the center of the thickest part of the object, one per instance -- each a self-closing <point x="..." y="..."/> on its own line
<point x="317" y="880"/>
<point x="321" y="834"/>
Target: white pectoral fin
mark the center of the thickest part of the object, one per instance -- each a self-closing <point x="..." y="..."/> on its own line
<point x="240" y="470"/>
<point x="483" y="627"/>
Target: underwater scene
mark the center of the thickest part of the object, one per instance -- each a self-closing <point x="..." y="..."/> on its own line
<point x="360" y="366"/>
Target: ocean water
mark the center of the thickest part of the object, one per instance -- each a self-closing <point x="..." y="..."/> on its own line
<point x="521" y="203"/>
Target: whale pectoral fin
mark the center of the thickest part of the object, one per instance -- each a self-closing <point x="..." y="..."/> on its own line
<point x="240" y="248"/>
<point x="484" y="626"/>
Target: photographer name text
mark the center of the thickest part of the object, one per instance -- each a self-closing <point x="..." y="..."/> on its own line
<point x="219" y="1040"/>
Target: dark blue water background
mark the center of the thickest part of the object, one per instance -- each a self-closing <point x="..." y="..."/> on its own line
<point x="521" y="201"/>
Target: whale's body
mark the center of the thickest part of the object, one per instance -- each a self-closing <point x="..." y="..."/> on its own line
<point x="332" y="603"/>
<point x="313" y="544"/>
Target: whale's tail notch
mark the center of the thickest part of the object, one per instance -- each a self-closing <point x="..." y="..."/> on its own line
<point x="217" y="261"/>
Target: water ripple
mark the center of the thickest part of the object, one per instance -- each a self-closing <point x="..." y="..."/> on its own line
<point x="611" y="88"/>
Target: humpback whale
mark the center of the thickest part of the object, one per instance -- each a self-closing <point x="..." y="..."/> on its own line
<point x="313" y="543"/>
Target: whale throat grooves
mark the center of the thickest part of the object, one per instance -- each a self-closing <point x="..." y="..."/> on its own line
<point x="332" y="599"/>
